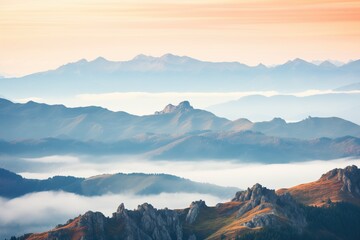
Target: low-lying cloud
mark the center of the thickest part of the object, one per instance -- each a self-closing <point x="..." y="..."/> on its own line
<point x="224" y="173"/>
<point x="44" y="210"/>
<point x="144" y="103"/>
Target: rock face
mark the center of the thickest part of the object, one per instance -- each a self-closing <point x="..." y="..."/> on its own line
<point x="144" y="223"/>
<point x="257" y="207"/>
<point x="350" y="178"/>
<point x="182" y="107"/>
<point x="94" y="223"/>
<point x="273" y="209"/>
<point x="194" y="211"/>
<point x="149" y="223"/>
<point x="337" y="185"/>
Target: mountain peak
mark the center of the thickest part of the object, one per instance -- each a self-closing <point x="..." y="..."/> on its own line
<point x="169" y="56"/>
<point x="349" y="176"/>
<point x="142" y="57"/>
<point x="297" y="62"/>
<point x="183" y="106"/>
<point x="256" y="192"/>
<point x="259" y="197"/>
<point x="100" y="59"/>
<point x="81" y="61"/>
<point x="278" y="121"/>
<point x="261" y="66"/>
<point x="337" y="185"/>
<point x="327" y="64"/>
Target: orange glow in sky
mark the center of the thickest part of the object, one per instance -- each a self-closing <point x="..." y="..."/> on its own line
<point x="42" y="34"/>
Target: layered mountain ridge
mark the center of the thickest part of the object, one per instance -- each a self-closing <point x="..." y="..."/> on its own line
<point x="177" y="132"/>
<point x="95" y="123"/>
<point x="256" y="210"/>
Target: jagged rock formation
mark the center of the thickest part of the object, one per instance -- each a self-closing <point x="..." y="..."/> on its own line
<point x="194" y="211"/>
<point x="334" y="186"/>
<point x="94" y="223"/>
<point x="148" y="223"/>
<point x="144" y="223"/>
<point x="182" y="107"/>
<point x="273" y="209"/>
<point x="350" y="178"/>
<point x="250" y="210"/>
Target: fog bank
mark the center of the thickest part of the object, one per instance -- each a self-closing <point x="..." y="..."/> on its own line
<point x="220" y="172"/>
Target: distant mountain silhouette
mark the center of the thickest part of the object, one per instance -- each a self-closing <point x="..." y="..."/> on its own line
<point x="294" y="108"/>
<point x="309" y="128"/>
<point x="176" y="132"/>
<point x="33" y="120"/>
<point x="242" y="146"/>
<point x="36" y="121"/>
<point x="178" y="73"/>
<point x="13" y="185"/>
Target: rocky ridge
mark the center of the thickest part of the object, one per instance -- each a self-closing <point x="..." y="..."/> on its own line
<point x="337" y="185"/>
<point x="249" y="211"/>
<point x="194" y="211"/>
<point x="260" y="205"/>
<point x="349" y="176"/>
<point x="182" y="107"/>
<point x="279" y="208"/>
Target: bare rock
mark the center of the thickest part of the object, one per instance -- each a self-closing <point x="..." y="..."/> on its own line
<point x="349" y="176"/>
<point x="282" y="207"/>
<point x="94" y="223"/>
<point x="194" y="211"/>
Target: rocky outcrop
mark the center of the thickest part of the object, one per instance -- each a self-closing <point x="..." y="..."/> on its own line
<point x="146" y="222"/>
<point x="254" y="208"/>
<point x="94" y="225"/>
<point x="262" y="220"/>
<point x="279" y="208"/>
<point x="350" y="178"/>
<point x="194" y="211"/>
<point x="182" y="107"/>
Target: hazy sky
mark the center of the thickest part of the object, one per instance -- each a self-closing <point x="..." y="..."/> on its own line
<point x="41" y="34"/>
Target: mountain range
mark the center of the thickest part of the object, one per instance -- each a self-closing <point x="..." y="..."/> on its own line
<point x="256" y="213"/>
<point x="170" y="73"/>
<point x="35" y="121"/>
<point x="244" y="146"/>
<point x="13" y="185"/>
<point x="294" y="108"/>
<point x="176" y="132"/>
